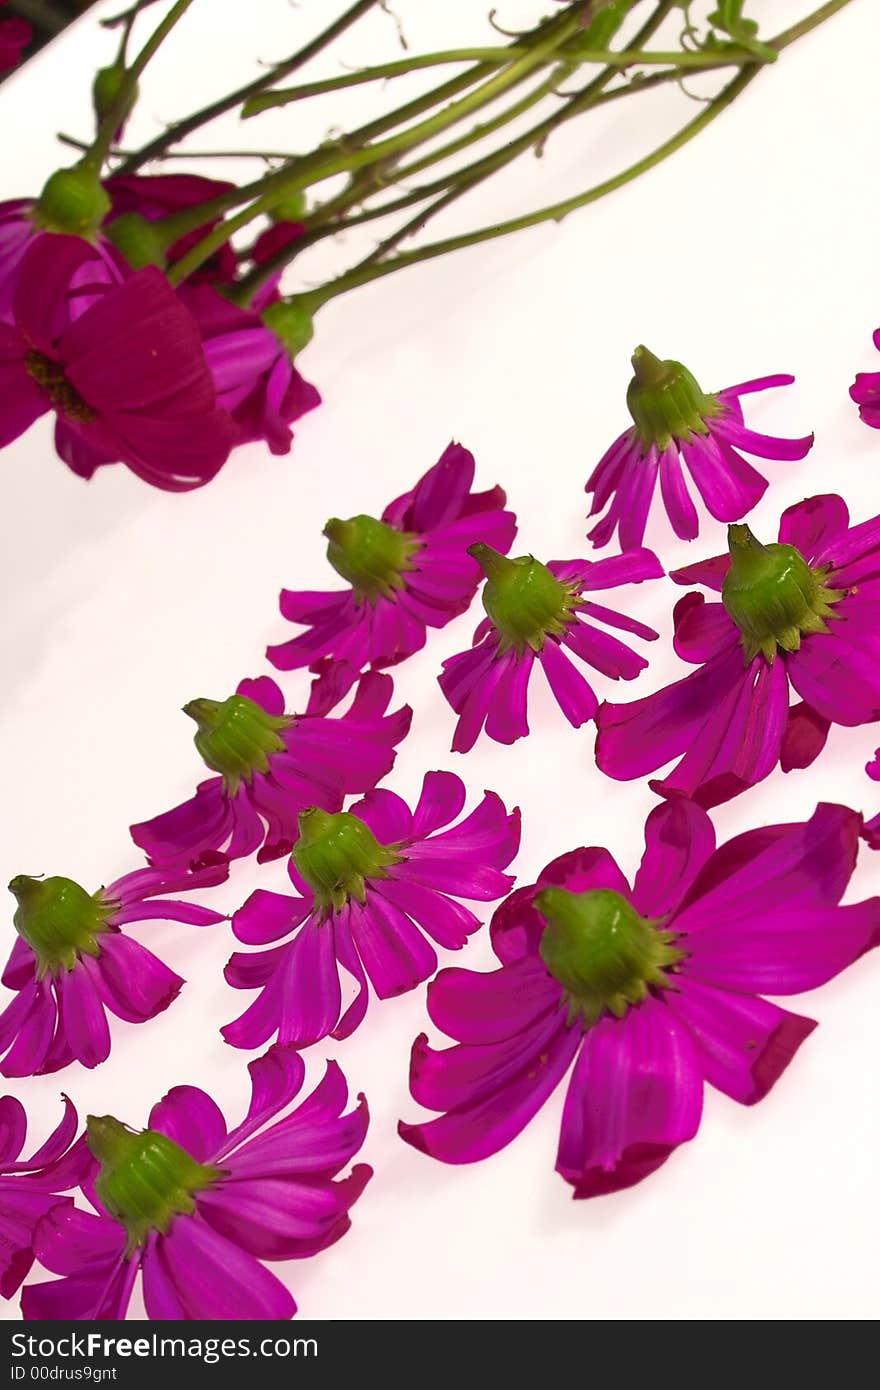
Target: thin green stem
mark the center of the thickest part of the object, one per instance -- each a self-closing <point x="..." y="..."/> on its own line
<point x="286" y="181"/>
<point x="177" y="132"/>
<point x="624" y="58"/>
<point x="98" y="151"/>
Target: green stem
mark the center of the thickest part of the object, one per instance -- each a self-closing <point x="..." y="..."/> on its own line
<point x="177" y="132"/>
<point x="287" y="182"/>
<point x="97" y="153"/>
<point x="624" y="58"/>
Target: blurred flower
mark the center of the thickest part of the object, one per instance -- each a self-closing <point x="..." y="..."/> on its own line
<point x="675" y="421"/>
<point x="406" y="572"/>
<point x="273" y="765"/>
<point x="29" y="1186"/>
<point x="127" y="378"/>
<point x="534" y="611"/>
<point x="15" y="35"/>
<point x="72" y="962"/>
<point x="802" y="612"/>
<point x="647" y="991"/>
<point x="375" y="882"/>
<point x="196" y="1209"/>
<point x="155" y="196"/>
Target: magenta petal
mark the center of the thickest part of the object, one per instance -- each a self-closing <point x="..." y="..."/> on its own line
<point x="394" y="952"/>
<point x="276" y="1078"/>
<point x="702" y="630"/>
<point x="268" y="916"/>
<point x="82" y="1014"/>
<point x="135" y="985"/>
<point x="192" y="1119"/>
<point x="572" y="691"/>
<point x="635" y="1094"/>
<point x="744" y="1043"/>
<point x="812" y="524"/>
<point x="472" y="1132"/>
<point x="805" y="736"/>
<point x="679" y="838"/>
<point x="441" y="801"/>
<point x="784" y="952"/>
<point x="213" y="1279"/>
<point x="487" y="1008"/>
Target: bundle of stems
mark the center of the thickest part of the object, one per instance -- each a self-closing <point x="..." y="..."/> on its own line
<point x="416" y="159"/>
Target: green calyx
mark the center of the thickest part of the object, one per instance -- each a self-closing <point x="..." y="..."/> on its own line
<point x="602" y="952"/>
<point x="145" y="1179"/>
<point x="291" y="323"/>
<point x="526" y="603"/>
<point x="138" y="239"/>
<point x="72" y="202"/>
<point x="773" y="595"/>
<point x="370" y="554"/>
<point x="59" y="921"/>
<point x="290" y="207"/>
<point x="236" y="736"/>
<point x="666" y="402"/>
<point x="336" y="855"/>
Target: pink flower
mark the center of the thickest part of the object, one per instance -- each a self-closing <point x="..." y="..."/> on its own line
<point x="220" y="1203"/>
<point x="674" y="422"/>
<point x="534" y="612"/>
<point x="127" y="379"/>
<point x="15" y="35"/>
<point x="375" y="882"/>
<point x="254" y="374"/>
<point x="800" y="613"/>
<point x="865" y="391"/>
<point x="273" y="765"/>
<point x="155" y="196"/>
<point x="406" y="572"/>
<point x="29" y="1186"/>
<point x="644" y="993"/>
<point x="17" y="231"/>
<point x="72" y="962"/>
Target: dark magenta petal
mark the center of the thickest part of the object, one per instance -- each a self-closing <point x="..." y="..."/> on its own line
<point x="635" y="1094"/>
<point x="438" y="496"/>
<point x="192" y="1119"/>
<point x="488" y="1008"/>
<point x="811" y="525"/>
<point x="744" y="1043"/>
<point x="702" y="630"/>
<point x="805" y="736"/>
<point x="276" y="1078"/>
<point x="679" y="839"/>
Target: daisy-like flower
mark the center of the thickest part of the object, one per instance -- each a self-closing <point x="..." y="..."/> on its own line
<point x="406" y="572"/>
<point x="273" y="765"/>
<point x="253" y="370"/>
<point x="801" y="612"/>
<point x="29" y="1187"/>
<point x="196" y="1208"/>
<point x="15" y="35"/>
<point x="72" y="963"/>
<point x="675" y="422"/>
<point x="156" y="196"/>
<point x="865" y="391"/>
<point x="644" y="992"/>
<point x="374" y="883"/>
<point x="539" y="612"/>
<point x="127" y="379"/>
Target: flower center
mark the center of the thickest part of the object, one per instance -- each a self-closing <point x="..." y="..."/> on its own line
<point x="525" y="602"/>
<point x="773" y="595"/>
<point x="145" y="1179"/>
<point x="336" y="855"/>
<point x="64" y="397"/>
<point x="236" y="736"/>
<point x="59" y="920"/>
<point x="666" y="402"/>
<point x="601" y="951"/>
<point x="371" y="555"/>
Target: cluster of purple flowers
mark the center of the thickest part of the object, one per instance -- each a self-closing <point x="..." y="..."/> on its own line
<point x="643" y="991"/>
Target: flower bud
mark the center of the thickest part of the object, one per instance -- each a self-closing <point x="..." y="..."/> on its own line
<point x="138" y="239"/>
<point x="105" y="93"/>
<point x="72" y="202"/>
<point x="291" y="323"/>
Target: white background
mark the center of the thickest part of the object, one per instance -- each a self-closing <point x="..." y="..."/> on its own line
<point x="754" y="250"/>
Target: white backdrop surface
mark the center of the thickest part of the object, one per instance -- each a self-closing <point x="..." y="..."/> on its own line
<point x="754" y="250"/>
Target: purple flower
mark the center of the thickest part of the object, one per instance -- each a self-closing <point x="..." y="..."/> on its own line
<point x="196" y="1209"/>
<point x="406" y="572"/>
<point x="375" y="883"/>
<point x="72" y="962"/>
<point x="802" y="612"/>
<point x="675" y="422"/>
<point x="155" y="196"/>
<point x="17" y="231"/>
<point x="644" y="992"/>
<point x="29" y="1186"/>
<point x="865" y="391"/>
<point x="534" y="612"/>
<point x="127" y="378"/>
<point x="253" y="371"/>
<point x="273" y="765"/>
<point x="15" y="35"/>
